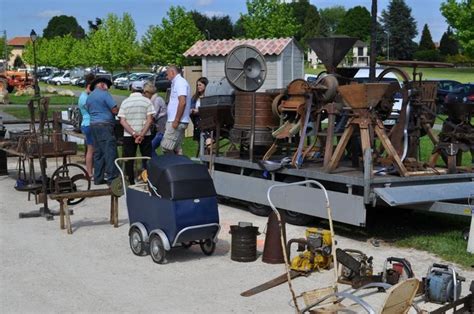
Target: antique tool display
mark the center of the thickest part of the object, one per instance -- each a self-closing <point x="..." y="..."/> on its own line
<point x="246" y="70"/>
<point x="315" y="248"/>
<point x="396" y="269"/>
<point x="356" y="268"/>
<point x="442" y="284"/>
<point x="317" y="242"/>
<point x="418" y="113"/>
<point x="362" y="98"/>
<point x="456" y="136"/>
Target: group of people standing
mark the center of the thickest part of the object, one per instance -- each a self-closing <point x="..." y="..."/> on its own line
<point x="147" y="120"/>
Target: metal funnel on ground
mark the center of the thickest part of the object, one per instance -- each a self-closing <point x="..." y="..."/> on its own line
<point x="331" y="50"/>
<point x="361" y="96"/>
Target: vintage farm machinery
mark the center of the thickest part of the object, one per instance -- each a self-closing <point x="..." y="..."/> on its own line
<point x="41" y="142"/>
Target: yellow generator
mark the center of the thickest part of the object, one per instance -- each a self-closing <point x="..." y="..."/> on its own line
<point x="316" y="251"/>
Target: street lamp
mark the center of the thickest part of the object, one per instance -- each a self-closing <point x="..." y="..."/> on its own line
<point x="33" y="38"/>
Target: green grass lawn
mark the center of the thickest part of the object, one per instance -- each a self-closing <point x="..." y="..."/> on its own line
<point x="24" y="113"/>
<point x="113" y="91"/>
<point x="463" y="75"/>
<point x="53" y="100"/>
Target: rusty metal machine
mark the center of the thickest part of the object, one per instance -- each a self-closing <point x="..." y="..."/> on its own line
<point x="41" y="143"/>
<point x="456" y="137"/>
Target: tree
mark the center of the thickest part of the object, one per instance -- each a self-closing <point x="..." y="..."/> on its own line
<point x="5" y="50"/>
<point x="166" y="43"/>
<point x="269" y="19"/>
<point x="239" y="31"/>
<point x="330" y="19"/>
<point x="216" y="27"/>
<point x="448" y="46"/>
<point x="460" y="16"/>
<point x="63" y="25"/>
<point x="306" y="15"/>
<point x="114" y="44"/>
<point x="401" y="26"/>
<point x="426" y="41"/>
<point x="355" y="23"/>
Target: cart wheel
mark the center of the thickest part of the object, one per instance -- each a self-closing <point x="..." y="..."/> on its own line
<point x="136" y="241"/>
<point x="186" y="245"/>
<point x="157" y="250"/>
<point x="208" y="246"/>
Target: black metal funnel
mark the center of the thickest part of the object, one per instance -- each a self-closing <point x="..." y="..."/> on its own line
<point x="331" y="50"/>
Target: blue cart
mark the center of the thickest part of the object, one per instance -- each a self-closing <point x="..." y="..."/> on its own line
<point x="177" y="206"/>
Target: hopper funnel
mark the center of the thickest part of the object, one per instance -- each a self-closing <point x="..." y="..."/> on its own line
<point x="331" y="50"/>
<point x="360" y="96"/>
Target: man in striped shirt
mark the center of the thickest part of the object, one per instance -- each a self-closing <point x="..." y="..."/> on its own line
<point x="136" y="116"/>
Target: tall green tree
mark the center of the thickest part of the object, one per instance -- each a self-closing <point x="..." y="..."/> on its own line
<point x="355" y="23"/>
<point x="460" y="16"/>
<point x="114" y="45"/>
<point x="269" y="19"/>
<point x="239" y="31"/>
<point x="63" y="25"/>
<point x="331" y="18"/>
<point x="215" y="27"/>
<point x="166" y="43"/>
<point x="400" y="24"/>
<point x="448" y="44"/>
<point x="5" y="50"/>
<point x="426" y="41"/>
<point x="306" y="15"/>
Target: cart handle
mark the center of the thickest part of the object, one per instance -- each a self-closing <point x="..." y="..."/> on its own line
<point x="121" y="171"/>
<point x="283" y="244"/>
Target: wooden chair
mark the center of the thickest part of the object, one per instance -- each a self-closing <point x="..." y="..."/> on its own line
<point x="399" y="299"/>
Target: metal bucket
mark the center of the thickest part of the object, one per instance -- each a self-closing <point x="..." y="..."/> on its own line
<point x="244" y="243"/>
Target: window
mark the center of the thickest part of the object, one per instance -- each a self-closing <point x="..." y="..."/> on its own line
<point x="360" y="51"/>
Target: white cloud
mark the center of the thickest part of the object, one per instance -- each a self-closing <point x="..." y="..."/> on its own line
<point x="49" y="13"/>
<point x="214" y="13"/>
<point x="203" y="3"/>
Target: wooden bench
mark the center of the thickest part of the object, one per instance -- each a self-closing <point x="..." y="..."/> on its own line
<point x="62" y="198"/>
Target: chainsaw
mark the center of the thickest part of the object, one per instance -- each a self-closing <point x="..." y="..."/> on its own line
<point x="316" y="254"/>
<point x="396" y="269"/>
<point x="356" y="269"/>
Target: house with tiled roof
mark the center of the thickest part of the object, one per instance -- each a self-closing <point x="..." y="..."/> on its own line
<point x="283" y="56"/>
<point x="17" y="45"/>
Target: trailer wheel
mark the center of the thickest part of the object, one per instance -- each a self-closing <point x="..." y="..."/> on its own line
<point x="259" y="209"/>
<point x="297" y="219"/>
<point x="136" y="241"/>
<point x="208" y="246"/>
<point x="157" y="249"/>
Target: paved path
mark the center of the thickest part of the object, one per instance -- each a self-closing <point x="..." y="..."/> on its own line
<point x="43" y="269"/>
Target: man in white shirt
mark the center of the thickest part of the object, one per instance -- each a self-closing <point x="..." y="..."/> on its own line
<point x="136" y="116"/>
<point x="179" y="107"/>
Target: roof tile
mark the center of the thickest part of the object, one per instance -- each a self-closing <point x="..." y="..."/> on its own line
<point x="202" y="48"/>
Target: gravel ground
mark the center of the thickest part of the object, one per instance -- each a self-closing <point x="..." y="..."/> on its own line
<point x="43" y="269"/>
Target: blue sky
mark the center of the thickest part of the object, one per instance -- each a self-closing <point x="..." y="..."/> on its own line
<point x="18" y="17"/>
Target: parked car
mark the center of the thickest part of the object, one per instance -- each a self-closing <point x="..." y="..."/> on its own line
<point x="140" y="80"/>
<point x="64" y="79"/>
<point x="125" y="82"/>
<point x="119" y="75"/>
<point x="56" y="74"/>
<point x="161" y="82"/>
<point x="444" y="88"/>
<point x="76" y="79"/>
<point x="463" y="95"/>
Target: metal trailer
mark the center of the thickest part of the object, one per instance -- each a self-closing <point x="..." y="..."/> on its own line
<point x="351" y="191"/>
